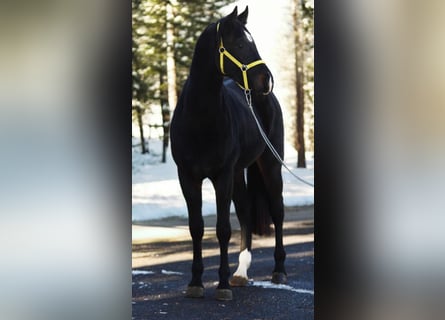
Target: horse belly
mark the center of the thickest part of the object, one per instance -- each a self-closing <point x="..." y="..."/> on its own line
<point x="250" y="152"/>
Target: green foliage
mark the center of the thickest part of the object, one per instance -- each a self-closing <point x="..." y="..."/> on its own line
<point x="308" y="43"/>
<point x="150" y="48"/>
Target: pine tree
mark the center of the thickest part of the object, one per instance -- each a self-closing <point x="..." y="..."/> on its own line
<point x="304" y="52"/>
<point x="149" y="58"/>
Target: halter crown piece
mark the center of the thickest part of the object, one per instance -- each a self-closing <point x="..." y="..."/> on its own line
<point x="243" y="67"/>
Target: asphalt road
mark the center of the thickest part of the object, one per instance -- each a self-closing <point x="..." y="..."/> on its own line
<point x="162" y="263"/>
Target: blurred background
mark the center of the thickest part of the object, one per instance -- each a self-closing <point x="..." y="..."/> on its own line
<point x="64" y="190"/>
<point x="380" y="119"/>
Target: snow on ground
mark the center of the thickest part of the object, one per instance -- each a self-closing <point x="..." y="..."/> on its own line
<point x="270" y="285"/>
<point x="138" y="272"/>
<point x="156" y="192"/>
<point x="171" y="272"/>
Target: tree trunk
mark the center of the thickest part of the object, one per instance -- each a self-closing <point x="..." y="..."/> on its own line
<point x="165" y="119"/>
<point x="171" y="66"/>
<point x="171" y="78"/>
<point x="300" y="120"/>
<point x="141" y="129"/>
<point x="299" y="68"/>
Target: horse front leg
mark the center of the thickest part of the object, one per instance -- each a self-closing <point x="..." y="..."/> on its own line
<point x="191" y="188"/>
<point x="223" y="190"/>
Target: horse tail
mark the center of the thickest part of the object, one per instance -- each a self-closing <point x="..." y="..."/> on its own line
<point x="260" y="203"/>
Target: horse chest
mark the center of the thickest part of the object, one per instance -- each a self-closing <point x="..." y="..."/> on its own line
<point x="211" y="149"/>
<point x="203" y="152"/>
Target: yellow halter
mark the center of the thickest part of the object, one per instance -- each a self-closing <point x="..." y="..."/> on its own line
<point x="243" y="67"/>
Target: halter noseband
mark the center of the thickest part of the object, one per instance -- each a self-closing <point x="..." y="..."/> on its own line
<point x="243" y="67"/>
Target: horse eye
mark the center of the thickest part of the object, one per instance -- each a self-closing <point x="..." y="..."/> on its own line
<point x="240" y="45"/>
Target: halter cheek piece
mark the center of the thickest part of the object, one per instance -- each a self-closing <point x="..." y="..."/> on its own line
<point x="243" y="67"/>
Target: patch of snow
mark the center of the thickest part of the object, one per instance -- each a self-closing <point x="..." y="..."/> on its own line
<point x="270" y="285"/>
<point x="171" y="272"/>
<point x="156" y="192"/>
<point x="138" y="272"/>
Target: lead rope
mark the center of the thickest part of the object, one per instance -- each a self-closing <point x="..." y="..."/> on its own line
<point x="267" y="141"/>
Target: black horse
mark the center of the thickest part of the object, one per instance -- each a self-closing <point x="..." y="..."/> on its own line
<point x="214" y="135"/>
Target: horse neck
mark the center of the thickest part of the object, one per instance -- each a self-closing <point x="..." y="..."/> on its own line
<point x="206" y="78"/>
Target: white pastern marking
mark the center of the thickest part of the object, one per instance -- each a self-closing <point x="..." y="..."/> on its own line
<point x="245" y="258"/>
<point x="248" y="36"/>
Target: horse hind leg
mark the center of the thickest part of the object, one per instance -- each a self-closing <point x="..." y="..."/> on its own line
<point x="242" y="208"/>
<point x="279" y="273"/>
<point x="193" y="196"/>
<point x="274" y="185"/>
<point x="240" y="278"/>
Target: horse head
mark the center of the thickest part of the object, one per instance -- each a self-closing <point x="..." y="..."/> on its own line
<point x="237" y="56"/>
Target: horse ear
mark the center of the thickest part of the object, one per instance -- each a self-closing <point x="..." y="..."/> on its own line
<point x="234" y="13"/>
<point x="243" y="16"/>
<point x="228" y="21"/>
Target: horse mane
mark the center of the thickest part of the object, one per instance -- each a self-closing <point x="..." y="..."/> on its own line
<point x="205" y="48"/>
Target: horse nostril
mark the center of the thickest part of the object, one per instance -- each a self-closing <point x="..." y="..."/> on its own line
<point x="268" y="84"/>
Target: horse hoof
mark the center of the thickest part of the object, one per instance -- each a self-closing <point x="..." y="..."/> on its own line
<point x="279" y="278"/>
<point x="224" y="294"/>
<point x="194" y="292"/>
<point x="238" y="281"/>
